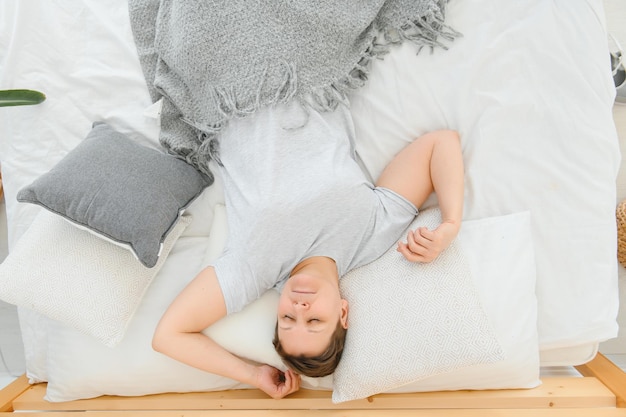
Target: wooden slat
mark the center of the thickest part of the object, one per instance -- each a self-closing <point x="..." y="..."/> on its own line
<point x="609" y="374"/>
<point x="580" y="412"/>
<point x="553" y="393"/>
<point x="11" y="391"/>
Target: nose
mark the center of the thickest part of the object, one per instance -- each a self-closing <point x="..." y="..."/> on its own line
<point x="300" y="304"/>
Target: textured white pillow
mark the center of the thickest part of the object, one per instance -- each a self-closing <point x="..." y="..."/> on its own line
<point x="500" y="253"/>
<point x="411" y="320"/>
<point x="74" y="277"/>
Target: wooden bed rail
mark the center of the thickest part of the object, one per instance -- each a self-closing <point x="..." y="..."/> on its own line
<point x="609" y="374"/>
<point x="12" y="391"/>
<point x="599" y="393"/>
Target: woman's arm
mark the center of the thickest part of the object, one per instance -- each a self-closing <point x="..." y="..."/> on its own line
<point x="179" y="336"/>
<point x="433" y="162"/>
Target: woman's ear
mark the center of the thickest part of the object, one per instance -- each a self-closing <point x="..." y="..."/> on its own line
<point x="344" y="314"/>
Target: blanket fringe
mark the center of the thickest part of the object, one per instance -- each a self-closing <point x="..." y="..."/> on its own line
<point x="425" y="31"/>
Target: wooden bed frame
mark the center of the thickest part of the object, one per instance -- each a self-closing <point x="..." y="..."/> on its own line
<point x="600" y="392"/>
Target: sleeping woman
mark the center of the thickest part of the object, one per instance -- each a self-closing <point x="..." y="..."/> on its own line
<point x="301" y="214"/>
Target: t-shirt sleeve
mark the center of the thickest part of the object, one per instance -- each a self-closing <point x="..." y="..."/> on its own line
<point x="240" y="284"/>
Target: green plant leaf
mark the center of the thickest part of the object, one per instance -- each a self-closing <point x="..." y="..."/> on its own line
<point x="20" y="97"/>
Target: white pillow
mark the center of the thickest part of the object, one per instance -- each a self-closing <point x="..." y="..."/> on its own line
<point x="499" y="251"/>
<point x="501" y="256"/>
<point x="411" y="320"/>
<point x="79" y="367"/>
<point x="35" y="326"/>
<point x="34" y="330"/>
<point x="74" y="277"/>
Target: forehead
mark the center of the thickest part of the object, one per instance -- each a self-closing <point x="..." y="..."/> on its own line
<point x="298" y="341"/>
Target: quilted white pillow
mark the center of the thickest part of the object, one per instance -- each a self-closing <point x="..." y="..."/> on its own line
<point x="409" y="321"/>
<point x="72" y="276"/>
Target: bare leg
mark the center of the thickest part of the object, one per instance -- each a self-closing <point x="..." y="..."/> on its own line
<point x="433" y="162"/>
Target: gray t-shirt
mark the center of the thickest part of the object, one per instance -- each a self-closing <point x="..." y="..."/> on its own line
<point x="294" y="190"/>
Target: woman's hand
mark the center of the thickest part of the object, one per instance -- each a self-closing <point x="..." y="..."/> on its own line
<point x="275" y="383"/>
<point x="425" y="245"/>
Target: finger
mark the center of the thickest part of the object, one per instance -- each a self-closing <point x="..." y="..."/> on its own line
<point x="289" y="379"/>
<point x="408" y="254"/>
<point x="292" y="379"/>
<point x="295" y="378"/>
<point x="420" y="241"/>
<point x="417" y="244"/>
<point x="417" y="253"/>
<point x="426" y="233"/>
<point x="292" y="383"/>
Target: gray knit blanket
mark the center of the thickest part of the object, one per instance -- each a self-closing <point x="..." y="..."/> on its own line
<point x="212" y="61"/>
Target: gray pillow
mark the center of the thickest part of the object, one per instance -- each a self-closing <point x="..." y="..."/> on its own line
<point x="125" y="192"/>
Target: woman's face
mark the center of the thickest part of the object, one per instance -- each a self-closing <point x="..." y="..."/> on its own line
<point x="308" y="312"/>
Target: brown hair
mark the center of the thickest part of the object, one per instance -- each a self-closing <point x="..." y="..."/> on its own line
<point x="315" y="366"/>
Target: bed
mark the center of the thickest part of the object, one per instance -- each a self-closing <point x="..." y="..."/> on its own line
<point x="529" y="89"/>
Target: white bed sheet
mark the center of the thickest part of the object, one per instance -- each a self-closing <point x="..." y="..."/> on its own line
<point x="528" y="87"/>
